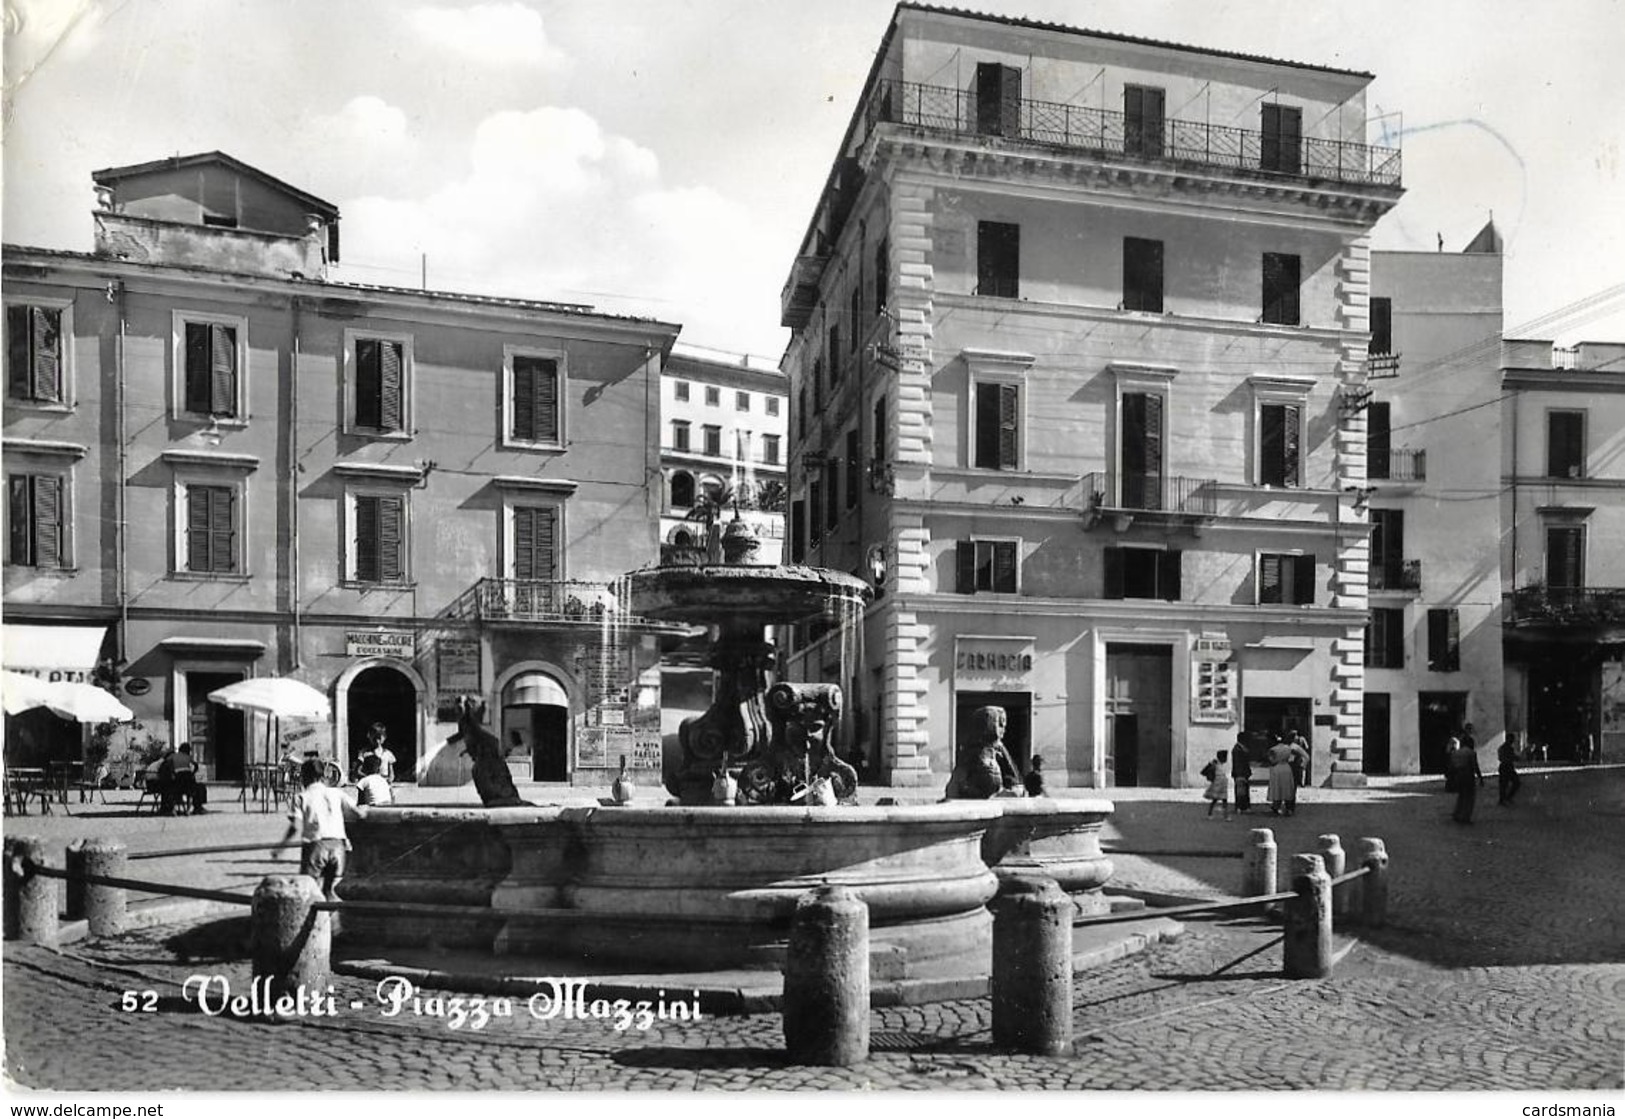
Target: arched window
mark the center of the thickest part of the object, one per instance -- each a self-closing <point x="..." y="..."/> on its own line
<point x="683" y="538"/>
<point x="682" y="489"/>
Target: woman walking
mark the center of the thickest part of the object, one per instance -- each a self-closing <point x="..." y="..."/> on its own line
<point x="1283" y="787"/>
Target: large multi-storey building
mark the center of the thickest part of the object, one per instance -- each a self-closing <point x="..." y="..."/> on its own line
<point x="1077" y="370"/>
<point x="722" y="449"/>
<point x="1563" y="541"/>
<point x="1433" y="478"/>
<point x="221" y="464"/>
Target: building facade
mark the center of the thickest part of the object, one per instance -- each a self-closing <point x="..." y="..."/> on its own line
<point x="1433" y="485"/>
<point x="1078" y="357"/>
<point x="220" y="464"/>
<point x="722" y="449"/>
<point x="1563" y="540"/>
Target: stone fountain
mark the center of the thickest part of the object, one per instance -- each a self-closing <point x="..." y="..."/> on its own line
<point x="704" y="886"/>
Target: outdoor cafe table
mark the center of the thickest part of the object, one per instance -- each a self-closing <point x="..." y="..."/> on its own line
<point x="23" y="782"/>
<point x="262" y="783"/>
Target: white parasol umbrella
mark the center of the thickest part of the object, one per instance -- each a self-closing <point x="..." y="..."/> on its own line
<point x="279" y="697"/>
<point x="83" y="703"/>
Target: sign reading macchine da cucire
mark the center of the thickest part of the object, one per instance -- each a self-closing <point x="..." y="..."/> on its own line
<point x="397" y="643"/>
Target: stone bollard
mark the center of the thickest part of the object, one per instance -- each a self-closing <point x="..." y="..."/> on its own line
<point x="826" y="979"/>
<point x="1258" y="865"/>
<point x="291" y="942"/>
<point x="1306" y="950"/>
<point x="102" y="906"/>
<point x="1374" y="886"/>
<point x="1031" y="985"/>
<point x="1336" y="860"/>
<point x="30" y="899"/>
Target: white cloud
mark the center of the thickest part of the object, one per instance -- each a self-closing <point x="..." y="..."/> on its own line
<point x="367" y="120"/>
<point x="501" y="34"/>
<point x="553" y="207"/>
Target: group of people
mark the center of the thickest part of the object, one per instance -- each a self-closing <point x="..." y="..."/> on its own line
<point x="1463" y="777"/>
<point x="1287" y="757"/>
<point x="319" y="811"/>
<point x="174" y="779"/>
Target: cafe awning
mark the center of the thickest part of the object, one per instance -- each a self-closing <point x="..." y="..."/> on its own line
<point x="54" y="652"/>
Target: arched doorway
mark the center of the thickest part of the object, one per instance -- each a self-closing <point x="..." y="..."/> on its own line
<point x="536" y="724"/>
<point x="386" y="695"/>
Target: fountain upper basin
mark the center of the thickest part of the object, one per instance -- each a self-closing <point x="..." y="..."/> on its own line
<point x="722" y="592"/>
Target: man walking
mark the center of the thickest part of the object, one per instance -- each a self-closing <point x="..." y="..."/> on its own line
<point x="1465" y="778"/>
<point x="1507" y="778"/>
<point x="1241" y="772"/>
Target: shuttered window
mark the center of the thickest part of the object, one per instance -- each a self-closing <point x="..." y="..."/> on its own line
<point x="1142" y="450"/>
<point x="815" y="509"/>
<point x="985" y="565"/>
<point x="211" y="369"/>
<point x="1282" y="272"/>
<point x="1144" y="112"/>
<point x="998" y="99"/>
<point x="998" y="259"/>
<point x="1279" y="438"/>
<point x="535" y="400"/>
<point x="380" y="539"/>
<point x="34" y="353"/>
<point x="832" y="491"/>
<point x="535" y="544"/>
<point x="1286" y="580"/>
<point x="798" y="531"/>
<point x="1565" y="557"/>
<point x="1565" y="444"/>
<point x="1379" y="440"/>
<point x="882" y="274"/>
<point x="998" y="419"/>
<point x="211" y="529"/>
<point x="1281" y="142"/>
<point x="1143" y="573"/>
<point x="834" y="356"/>
<point x="380" y="375"/>
<point x="1142" y="274"/>
<point x="1444" y="640"/>
<point x="1385" y="638"/>
<point x="853" y="468"/>
<point x="1382" y="325"/>
<point x="35" y="514"/>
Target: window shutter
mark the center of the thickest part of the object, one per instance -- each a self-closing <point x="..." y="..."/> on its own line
<point x="1438" y="635"/>
<point x="391" y="358"/>
<point x="20" y="518"/>
<point x="368" y="383"/>
<point x="197" y="528"/>
<point x="1271" y="455"/>
<point x="47" y="356"/>
<point x="524" y="401"/>
<point x="1151" y="129"/>
<point x="1169" y="572"/>
<point x="1113" y="558"/>
<point x="1452" y="640"/>
<point x="1565" y="444"/>
<point x="1564" y="562"/>
<point x="1009" y="417"/>
<point x="1152" y="442"/>
<point x="19" y="372"/>
<point x="878" y="433"/>
<point x="1382" y="325"/>
<point x="547" y="402"/>
<point x="987" y="426"/>
<point x="989" y="88"/>
<point x="1009" y="101"/>
<point x="832" y="491"/>
<point x="1303" y="581"/>
<point x="366" y="539"/>
<point x="965" y="567"/>
<point x="524" y="543"/>
<point x="1269" y="579"/>
<point x="222" y="370"/>
<point x="47" y="521"/>
<point x="545" y="563"/>
<point x="1004" y="566"/>
<point x="222" y="553"/>
<point x="1394" y="638"/>
<point x="1290" y="438"/>
<point x="391" y="538"/>
<point x="1378" y="439"/>
<point x="852" y="468"/>
<point x="198" y="396"/>
<point x="882" y="274"/>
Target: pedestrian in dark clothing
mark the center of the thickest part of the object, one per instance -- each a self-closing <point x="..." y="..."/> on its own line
<point x="1034" y="781"/>
<point x="1464" y="777"/>
<point x="1241" y="771"/>
<point x="1507" y="773"/>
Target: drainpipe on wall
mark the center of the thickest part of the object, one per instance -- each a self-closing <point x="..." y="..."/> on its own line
<point x="293" y="493"/>
<point x="115" y="295"/>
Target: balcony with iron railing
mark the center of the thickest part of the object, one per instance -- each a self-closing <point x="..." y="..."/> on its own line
<point x="1101" y="132"/>
<point x="554" y="602"/>
<point x="1396" y="465"/>
<point x="1568" y="607"/>
<point x="1170" y="495"/>
<point x="1397" y="575"/>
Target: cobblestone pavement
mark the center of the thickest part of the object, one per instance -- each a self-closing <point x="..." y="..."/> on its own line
<point x="1503" y="968"/>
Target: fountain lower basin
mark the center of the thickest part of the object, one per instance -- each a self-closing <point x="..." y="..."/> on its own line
<point x="710" y="888"/>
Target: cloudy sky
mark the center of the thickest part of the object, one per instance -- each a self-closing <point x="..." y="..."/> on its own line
<point x="661" y="157"/>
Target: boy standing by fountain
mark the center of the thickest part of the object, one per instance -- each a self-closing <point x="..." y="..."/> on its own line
<point x="317" y="817"/>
